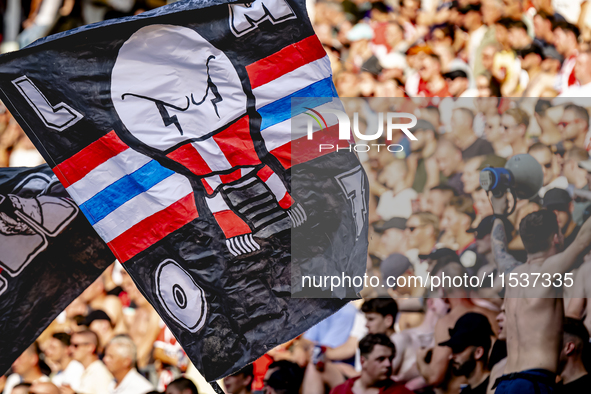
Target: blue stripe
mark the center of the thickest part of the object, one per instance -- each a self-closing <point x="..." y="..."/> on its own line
<point x="319" y="93"/>
<point x="126" y="188"/>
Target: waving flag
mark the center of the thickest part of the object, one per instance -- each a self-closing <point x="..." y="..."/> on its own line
<point x="50" y="254"/>
<point x="172" y="132"/>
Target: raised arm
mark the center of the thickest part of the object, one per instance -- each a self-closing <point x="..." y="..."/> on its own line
<point x="505" y="261"/>
<point x="562" y="262"/>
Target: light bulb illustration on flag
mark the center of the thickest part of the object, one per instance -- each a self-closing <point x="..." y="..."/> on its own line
<point x="196" y="114"/>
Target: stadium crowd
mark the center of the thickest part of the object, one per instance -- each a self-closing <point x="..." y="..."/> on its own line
<point x="488" y="80"/>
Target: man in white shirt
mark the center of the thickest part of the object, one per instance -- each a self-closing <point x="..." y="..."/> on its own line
<point x="66" y="371"/>
<point x="25" y="369"/>
<point x="95" y="378"/>
<point x="120" y="359"/>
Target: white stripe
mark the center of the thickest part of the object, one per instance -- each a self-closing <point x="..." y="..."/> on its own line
<point x="142" y="206"/>
<point x="230" y="247"/>
<point x="213" y="181"/>
<point x="106" y="174"/>
<point x="297" y="127"/>
<point x="212" y="154"/>
<point x="217" y="203"/>
<point x="276" y="186"/>
<point x="293" y="81"/>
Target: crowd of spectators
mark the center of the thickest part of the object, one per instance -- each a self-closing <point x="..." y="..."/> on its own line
<point x="489" y="79"/>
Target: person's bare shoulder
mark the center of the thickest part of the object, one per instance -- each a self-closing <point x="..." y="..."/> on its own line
<point x="496" y="372"/>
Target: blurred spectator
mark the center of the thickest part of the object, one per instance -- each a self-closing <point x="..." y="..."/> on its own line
<point x="438" y="198"/>
<point x="377" y="352"/>
<point x="421" y="159"/>
<point x="470" y="342"/>
<point x="431" y="83"/>
<point x="550" y="168"/>
<point x="65" y="370"/>
<point x="462" y="122"/>
<point x="471" y="174"/>
<point x="422" y="230"/>
<point x="583" y="75"/>
<point x="566" y="41"/>
<point x="573" y="126"/>
<point x="391" y="237"/>
<point x="559" y="201"/>
<point x="514" y="123"/>
<point x="21" y="388"/>
<point x="240" y="382"/>
<point x="498" y="367"/>
<point x="182" y="386"/>
<point x="95" y="375"/>
<point x="575" y="343"/>
<point x="450" y="163"/>
<point x="26" y="369"/>
<point x="172" y="360"/>
<point x="283" y="377"/>
<point x="120" y="359"/>
<point x="100" y="323"/>
<point x="43" y="388"/>
<point x="396" y="200"/>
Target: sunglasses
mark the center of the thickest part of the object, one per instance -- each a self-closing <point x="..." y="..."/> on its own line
<point x="76" y="345"/>
<point x="565" y="124"/>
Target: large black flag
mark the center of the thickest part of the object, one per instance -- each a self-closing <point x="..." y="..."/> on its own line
<point x="172" y="132"/>
<point x="49" y="255"/>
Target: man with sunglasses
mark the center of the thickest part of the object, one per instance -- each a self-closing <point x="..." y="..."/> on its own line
<point x="550" y="167"/>
<point x="96" y="377"/>
<point x="514" y="123"/>
<point x="573" y="126"/>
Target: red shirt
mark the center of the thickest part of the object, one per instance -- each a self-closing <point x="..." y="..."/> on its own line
<point x="425" y="92"/>
<point x="392" y="388"/>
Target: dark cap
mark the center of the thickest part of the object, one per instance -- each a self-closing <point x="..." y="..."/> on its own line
<point x="423" y="124"/>
<point x="472" y="329"/>
<point x="557" y="200"/>
<point x="485" y="227"/>
<point x="455" y="74"/>
<point x="95" y="315"/>
<point x="394" y="265"/>
<point x="551" y="53"/>
<point x="399" y="223"/>
<point x="439" y="253"/>
<point x="532" y="48"/>
<point x="470" y="7"/>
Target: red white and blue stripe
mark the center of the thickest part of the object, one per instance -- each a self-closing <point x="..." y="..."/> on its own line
<point x="131" y="200"/>
<point x="300" y="70"/>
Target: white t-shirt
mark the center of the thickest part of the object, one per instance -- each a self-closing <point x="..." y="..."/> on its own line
<point x="132" y="383"/>
<point x="70" y="376"/>
<point x="16" y="379"/>
<point x="95" y="379"/>
<point x="399" y="205"/>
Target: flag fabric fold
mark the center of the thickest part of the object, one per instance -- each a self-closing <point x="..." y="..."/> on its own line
<point x="171" y="132"/>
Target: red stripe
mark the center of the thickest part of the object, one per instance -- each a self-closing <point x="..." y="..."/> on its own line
<point x="188" y="156"/>
<point x="231" y="177"/>
<point x="303" y="149"/>
<point x="231" y="224"/>
<point x="152" y="229"/>
<point x="237" y="145"/>
<point x="283" y="154"/>
<point x="286" y="201"/>
<point x="76" y="167"/>
<point x="285" y="61"/>
<point x="265" y="173"/>
<point x="208" y="188"/>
